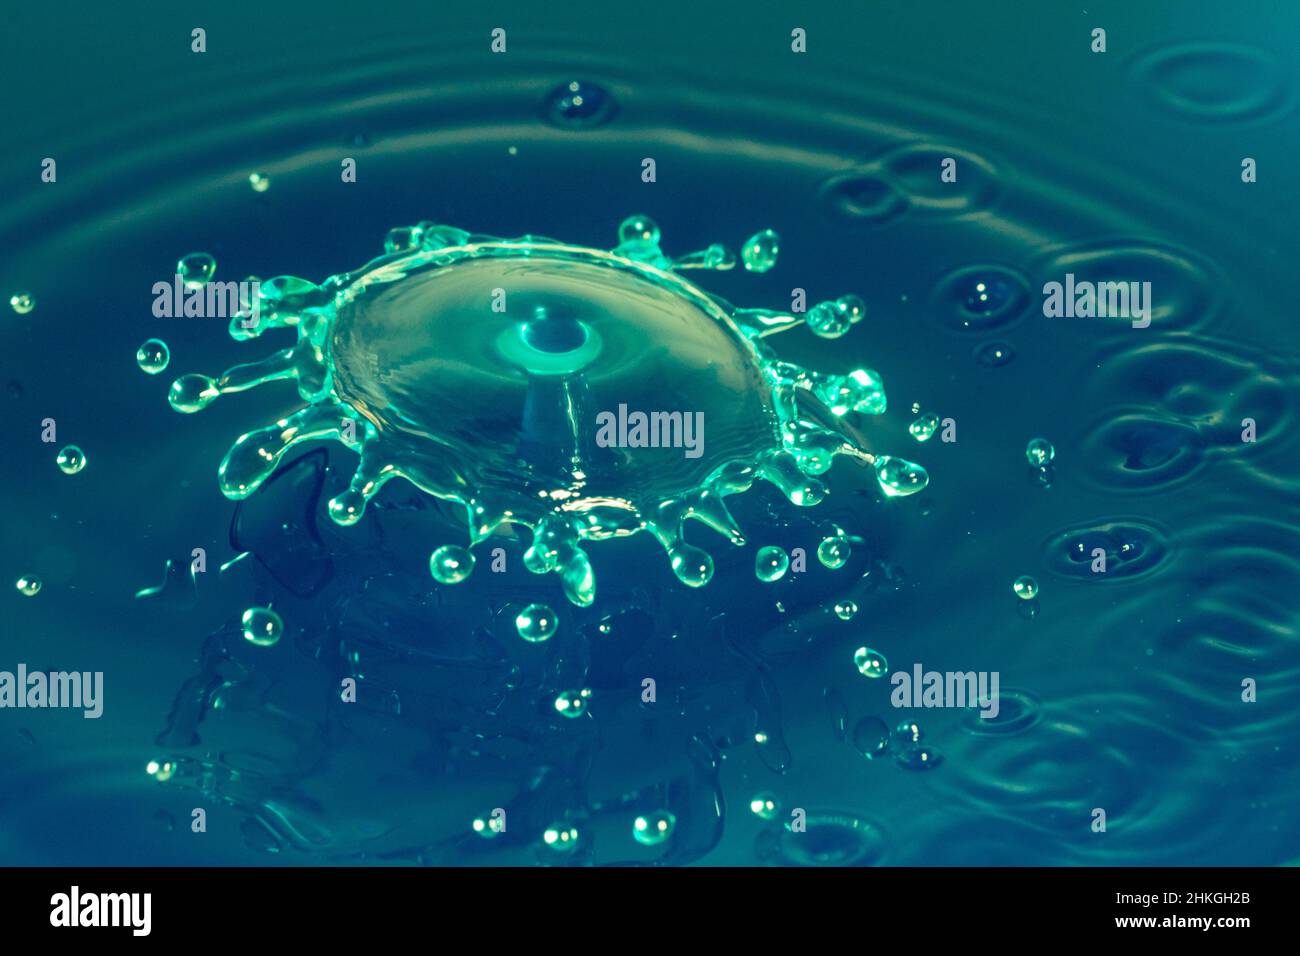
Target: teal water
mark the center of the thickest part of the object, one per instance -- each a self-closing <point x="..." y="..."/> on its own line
<point x="1120" y="692"/>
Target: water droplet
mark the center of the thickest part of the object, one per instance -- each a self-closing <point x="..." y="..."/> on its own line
<point x="71" y="460"/>
<point x="196" y="269"/>
<point x="760" y="251"/>
<point x="160" y="770"/>
<point x="908" y="733"/>
<point x="771" y="563"/>
<point x="845" y="610"/>
<point x="1026" y="588"/>
<point x="536" y="623"/>
<point x="654" y="828"/>
<point x="488" y="827"/>
<point x="765" y="805"/>
<point x="639" y="229"/>
<point x="827" y="320"/>
<point x="923" y="428"/>
<point x="995" y="354"/>
<point x="871" y="737"/>
<point x="28" y="585"/>
<point x="1039" y="452"/>
<point x="153" y="356"/>
<point x="561" y="837"/>
<point x="834" y="551"/>
<point x="451" y="564"/>
<point x="22" y="302"/>
<point x="572" y="703"/>
<point x="898" y="477"/>
<point x="870" y="663"/>
<point x="262" y="626"/>
<point x="579" y="105"/>
<point x="259" y="182"/>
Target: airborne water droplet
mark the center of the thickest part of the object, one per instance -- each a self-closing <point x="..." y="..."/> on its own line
<point x="153" y="356"/>
<point x="760" y="251"/>
<point x="1026" y="588"/>
<point x="536" y="623"/>
<point x="262" y="626"/>
<point x="22" y="302"/>
<point x="1039" y="452"/>
<point x="845" y="610"/>
<point x="833" y="552"/>
<point x="29" y="585"/>
<point x="870" y="663"/>
<point x="924" y="427"/>
<point x="765" y="805"/>
<point x="771" y="563"/>
<point x="654" y="828"/>
<point x="196" y="269"/>
<point x="898" y="477"/>
<point x="451" y="564"/>
<point x="71" y="460"/>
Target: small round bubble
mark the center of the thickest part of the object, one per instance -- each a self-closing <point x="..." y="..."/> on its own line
<point x="765" y="805"/>
<point x="71" y="460"/>
<point x="536" y="623"/>
<point x="153" y="356"/>
<point x="29" y="585"/>
<point x="771" y="563"/>
<point x="760" y="251"/>
<point x="22" y="302"/>
<point x="870" y="663"/>
<point x="1039" y="452"/>
<point x="451" y="564"/>
<point x="652" y="829"/>
<point x="834" y="551"/>
<point x="262" y="626"/>
<point x="1026" y="588"/>
<point x="196" y="269"/>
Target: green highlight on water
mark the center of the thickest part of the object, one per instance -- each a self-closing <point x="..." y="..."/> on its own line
<point x="473" y="367"/>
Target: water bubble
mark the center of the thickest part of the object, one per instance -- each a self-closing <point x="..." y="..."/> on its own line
<point x="561" y="837"/>
<point x="845" y="610"/>
<point x="22" y="302"/>
<point x="1039" y="452"/>
<point x="920" y="758"/>
<point x="451" y="564"/>
<point x="196" y="269"/>
<point x="579" y="105"/>
<point x="908" y="733"/>
<point x="639" y="229"/>
<point x="28" y="585"/>
<point x="160" y="770"/>
<point x="871" y="737"/>
<point x="771" y="563"/>
<point x="259" y="182"/>
<point x="572" y="703"/>
<point x="765" y="805"/>
<point x="71" y="460"/>
<point x="870" y="663"/>
<point x="834" y="551"/>
<point x="1026" y="588"/>
<point x="995" y="354"/>
<point x="536" y="623"/>
<point x="760" y="251"/>
<point x="898" y="477"/>
<point x="828" y="321"/>
<point x="153" y="356"/>
<point x="262" y="626"/>
<point x="923" y="428"/>
<point x="654" y="828"/>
